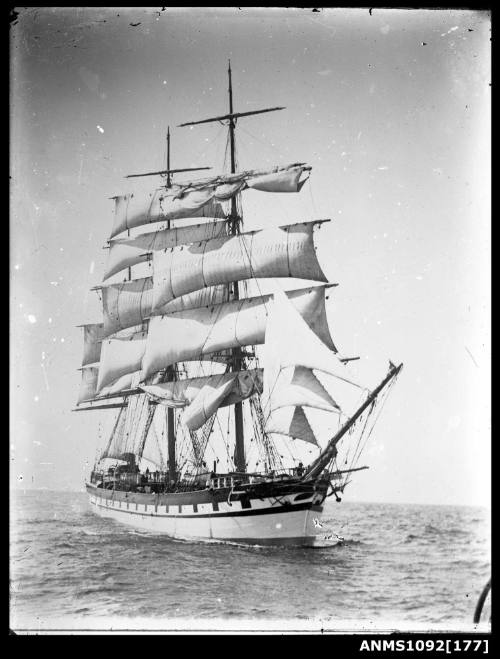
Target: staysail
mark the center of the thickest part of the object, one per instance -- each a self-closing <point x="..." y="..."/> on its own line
<point x="289" y="382"/>
<point x="238" y="323"/>
<point x="292" y="422"/>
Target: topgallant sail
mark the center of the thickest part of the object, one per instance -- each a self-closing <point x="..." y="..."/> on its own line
<point x="218" y="392"/>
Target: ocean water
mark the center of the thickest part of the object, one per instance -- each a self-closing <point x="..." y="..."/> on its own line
<point x="393" y="567"/>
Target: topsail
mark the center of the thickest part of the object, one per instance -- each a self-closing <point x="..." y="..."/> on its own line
<point x="134" y="211"/>
<point x="286" y="251"/>
<point x="200" y="199"/>
<point x="130" y="303"/>
<point x="126" y="252"/>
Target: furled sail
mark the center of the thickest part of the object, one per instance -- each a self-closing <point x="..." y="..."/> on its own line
<point x="281" y="181"/>
<point x="181" y="393"/>
<point x="125" y="252"/>
<point x="200" y="198"/>
<point x="277" y="179"/>
<point x="286" y="251"/>
<point x="160" y="206"/>
<point x="188" y="334"/>
<point x="208" y="401"/>
<point x="201" y="397"/>
<point x="129" y="303"/>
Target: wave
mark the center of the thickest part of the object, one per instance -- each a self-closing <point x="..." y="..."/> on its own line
<point x="64" y="545"/>
<point x="97" y="589"/>
<point x="410" y="537"/>
<point x="429" y="528"/>
<point x="49" y="520"/>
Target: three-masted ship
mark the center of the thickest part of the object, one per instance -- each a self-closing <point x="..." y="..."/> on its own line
<point x="215" y="388"/>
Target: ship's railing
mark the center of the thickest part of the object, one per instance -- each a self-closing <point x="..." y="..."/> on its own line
<point x="215" y="481"/>
<point x="220" y="482"/>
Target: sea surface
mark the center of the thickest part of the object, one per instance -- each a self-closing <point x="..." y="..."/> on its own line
<point x="386" y="566"/>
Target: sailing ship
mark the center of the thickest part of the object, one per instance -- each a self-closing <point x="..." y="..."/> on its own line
<point x="215" y="387"/>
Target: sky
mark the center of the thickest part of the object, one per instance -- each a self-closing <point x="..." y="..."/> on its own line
<point x="392" y="111"/>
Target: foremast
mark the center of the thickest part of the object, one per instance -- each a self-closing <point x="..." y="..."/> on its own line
<point x="170" y="371"/>
<point x="169" y="374"/>
<point x="234" y="220"/>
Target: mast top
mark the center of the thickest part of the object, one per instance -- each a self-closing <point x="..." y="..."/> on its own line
<point x="231" y="115"/>
<point x="168" y="171"/>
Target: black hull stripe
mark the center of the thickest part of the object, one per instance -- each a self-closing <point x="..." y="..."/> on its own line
<point x="236" y="513"/>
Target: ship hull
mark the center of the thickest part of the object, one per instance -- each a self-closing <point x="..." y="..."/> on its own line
<point x="292" y="519"/>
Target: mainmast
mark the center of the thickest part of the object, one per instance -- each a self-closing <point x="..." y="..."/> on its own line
<point x="170" y="372"/>
<point x="234" y="223"/>
<point x="234" y="228"/>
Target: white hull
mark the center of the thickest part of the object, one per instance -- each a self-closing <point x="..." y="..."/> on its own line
<point x="268" y="522"/>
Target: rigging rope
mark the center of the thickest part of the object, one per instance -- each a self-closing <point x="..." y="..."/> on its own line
<point x="376" y="403"/>
<point x="271" y="147"/>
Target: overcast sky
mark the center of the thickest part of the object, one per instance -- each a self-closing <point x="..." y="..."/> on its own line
<point x="392" y="110"/>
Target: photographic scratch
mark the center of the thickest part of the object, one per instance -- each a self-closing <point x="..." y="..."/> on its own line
<point x="471" y="356"/>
